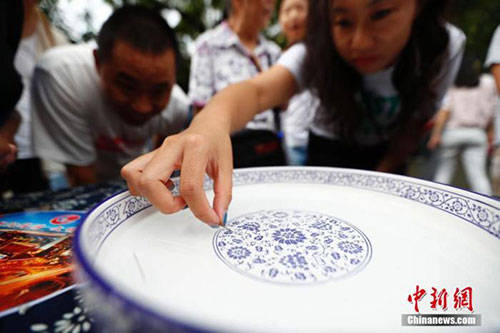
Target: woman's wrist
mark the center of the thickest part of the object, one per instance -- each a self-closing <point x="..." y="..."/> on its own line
<point x="212" y="120"/>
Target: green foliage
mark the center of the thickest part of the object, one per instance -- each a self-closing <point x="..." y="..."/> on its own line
<point x="196" y="17"/>
<point x="477" y="18"/>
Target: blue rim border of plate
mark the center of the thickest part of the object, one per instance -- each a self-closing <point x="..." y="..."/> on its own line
<point x="128" y="302"/>
<point x="109" y="289"/>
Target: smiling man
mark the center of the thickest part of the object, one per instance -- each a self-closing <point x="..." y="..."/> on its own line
<point x="97" y="109"/>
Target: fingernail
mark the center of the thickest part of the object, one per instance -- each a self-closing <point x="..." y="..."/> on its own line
<point x="224" y="219"/>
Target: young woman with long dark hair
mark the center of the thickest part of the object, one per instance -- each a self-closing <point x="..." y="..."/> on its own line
<point x="380" y="69"/>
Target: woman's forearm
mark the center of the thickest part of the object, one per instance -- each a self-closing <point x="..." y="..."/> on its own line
<point x="232" y="108"/>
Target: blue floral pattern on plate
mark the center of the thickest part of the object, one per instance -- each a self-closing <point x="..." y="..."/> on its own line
<point x="292" y="247"/>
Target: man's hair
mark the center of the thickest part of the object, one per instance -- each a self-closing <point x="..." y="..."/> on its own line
<point x="336" y="83"/>
<point x="140" y="27"/>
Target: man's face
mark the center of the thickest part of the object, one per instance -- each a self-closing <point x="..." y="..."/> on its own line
<point x="258" y="11"/>
<point x="137" y="84"/>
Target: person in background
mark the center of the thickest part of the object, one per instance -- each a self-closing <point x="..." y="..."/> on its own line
<point x="26" y="174"/>
<point x="11" y="87"/>
<point x="493" y="64"/>
<point x="234" y="51"/>
<point x="97" y="109"/>
<point x="375" y="96"/>
<point x="464" y="126"/>
<point x="300" y="111"/>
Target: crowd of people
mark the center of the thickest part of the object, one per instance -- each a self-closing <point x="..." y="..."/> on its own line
<point x="348" y="90"/>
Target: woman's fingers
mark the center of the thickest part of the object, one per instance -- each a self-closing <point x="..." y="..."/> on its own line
<point x="152" y="181"/>
<point x="133" y="171"/>
<point x="223" y="186"/>
<point x="149" y="175"/>
<point x="159" y="195"/>
<point x="223" y="183"/>
<point x="194" y="166"/>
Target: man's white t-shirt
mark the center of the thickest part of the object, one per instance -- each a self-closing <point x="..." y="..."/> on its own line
<point x="382" y="96"/>
<point x="73" y="123"/>
<point x="25" y="61"/>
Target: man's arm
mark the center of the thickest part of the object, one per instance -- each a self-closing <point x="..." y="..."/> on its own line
<point x="81" y="175"/>
<point x="490" y="132"/>
<point x="8" y="149"/>
<point x="61" y="131"/>
<point x="7" y="153"/>
<point x="9" y="129"/>
<point x="495" y="70"/>
<point x="441" y="118"/>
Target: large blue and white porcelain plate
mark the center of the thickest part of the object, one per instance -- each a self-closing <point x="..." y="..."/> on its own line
<point x="304" y="250"/>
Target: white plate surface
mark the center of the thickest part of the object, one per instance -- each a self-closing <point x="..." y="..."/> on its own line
<point x="305" y="250"/>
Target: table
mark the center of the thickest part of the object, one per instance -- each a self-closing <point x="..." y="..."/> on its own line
<point x="63" y="311"/>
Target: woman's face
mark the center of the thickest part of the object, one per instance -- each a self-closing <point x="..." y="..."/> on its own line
<point x="370" y="34"/>
<point x="292" y="19"/>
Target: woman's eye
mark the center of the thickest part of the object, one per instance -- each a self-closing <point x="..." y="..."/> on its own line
<point x="378" y="15"/>
<point x="343" y="23"/>
<point x="127" y="87"/>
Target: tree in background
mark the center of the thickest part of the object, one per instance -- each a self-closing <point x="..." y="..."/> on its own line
<point x="478" y="19"/>
<point x="196" y="16"/>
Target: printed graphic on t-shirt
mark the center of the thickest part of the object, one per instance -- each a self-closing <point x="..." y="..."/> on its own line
<point x="382" y="113"/>
<point x="117" y="144"/>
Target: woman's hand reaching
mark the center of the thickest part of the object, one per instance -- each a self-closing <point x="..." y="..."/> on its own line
<point x="195" y="152"/>
<point x="205" y="148"/>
